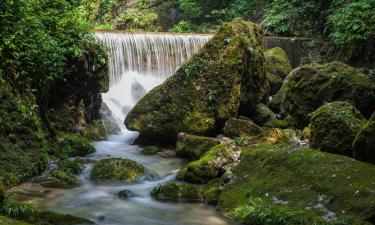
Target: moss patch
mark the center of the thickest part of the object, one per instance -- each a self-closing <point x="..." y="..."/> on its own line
<point x="193" y="147"/>
<point x="117" y="169"/>
<point x="309" y="87"/>
<point x="210" y="165"/>
<point x="302" y="180"/>
<point x="74" y="145"/>
<point x="278" y="67"/>
<point x="237" y="127"/>
<point x="334" y="127"/>
<point x="364" y="143"/>
<point x="177" y="192"/>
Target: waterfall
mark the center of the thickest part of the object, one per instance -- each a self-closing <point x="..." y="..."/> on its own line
<point x="140" y="61"/>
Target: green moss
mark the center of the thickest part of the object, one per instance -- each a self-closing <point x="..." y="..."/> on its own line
<point x="61" y="177"/>
<point x="278" y="67"/>
<point x="117" y="169"/>
<point x="334" y="127"/>
<point x="212" y="191"/>
<point x="207" y="90"/>
<point x="364" y="143"/>
<point x="310" y="86"/>
<point x="8" y="221"/>
<point x="237" y="127"/>
<point x="259" y="212"/>
<point x="277" y="136"/>
<point x="283" y="124"/>
<point x="177" y="192"/>
<point x="23" y="145"/>
<point x="210" y="165"/>
<point x="150" y="150"/>
<point x="302" y="180"/>
<point x="71" y="145"/>
<point x="193" y="147"/>
<point x="262" y="114"/>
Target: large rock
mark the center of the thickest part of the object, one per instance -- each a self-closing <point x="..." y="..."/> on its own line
<point x="278" y="67"/>
<point x="117" y="169"/>
<point x="298" y="185"/>
<point x="239" y="127"/>
<point x="211" y="165"/>
<point x="227" y="74"/>
<point x="177" y="192"/>
<point x="309" y="87"/>
<point x="364" y="143"/>
<point x="334" y="127"/>
<point x="193" y="147"/>
<point x="262" y="114"/>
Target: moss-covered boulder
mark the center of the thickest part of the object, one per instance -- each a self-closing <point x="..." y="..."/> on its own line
<point x="177" y="192"/>
<point x="211" y="165"/>
<point x="364" y="143"/>
<point x="70" y="145"/>
<point x="227" y="74"/>
<point x="150" y="150"/>
<point x="334" y="127"/>
<point x="278" y="67"/>
<point x="277" y="136"/>
<point x="238" y="127"/>
<point x="212" y="191"/>
<point x="262" y="114"/>
<point x="310" y="86"/>
<point x="193" y="147"/>
<point x="298" y="180"/>
<point x="113" y="169"/>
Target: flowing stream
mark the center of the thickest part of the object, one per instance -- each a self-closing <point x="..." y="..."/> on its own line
<point x="138" y="62"/>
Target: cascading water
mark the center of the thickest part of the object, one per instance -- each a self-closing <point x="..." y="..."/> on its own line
<point x="141" y="61"/>
<point x="137" y="63"/>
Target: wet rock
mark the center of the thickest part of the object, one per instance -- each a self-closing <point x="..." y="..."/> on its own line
<point x="166" y="153"/>
<point x="212" y="191"/>
<point x="310" y="86"/>
<point x="278" y="67"/>
<point x="150" y="150"/>
<point x="237" y="128"/>
<point x="138" y="91"/>
<point x="334" y="127"/>
<point x="208" y="90"/>
<point x="303" y="182"/>
<point x="262" y="114"/>
<point x="113" y="169"/>
<point x="271" y="136"/>
<point x="125" y="194"/>
<point x="211" y="165"/>
<point x="364" y="143"/>
<point x="177" y="192"/>
<point x="61" y="177"/>
<point x="193" y="147"/>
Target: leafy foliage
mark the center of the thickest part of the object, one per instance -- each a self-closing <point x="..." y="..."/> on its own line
<point x="353" y="25"/>
<point x="39" y="37"/>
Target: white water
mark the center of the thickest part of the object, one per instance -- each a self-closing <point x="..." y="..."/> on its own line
<point x="138" y="63"/>
<point x="141" y="61"/>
